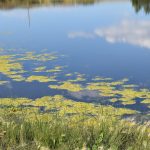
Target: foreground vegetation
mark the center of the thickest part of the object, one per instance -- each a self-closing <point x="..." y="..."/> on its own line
<point x="62" y="134"/>
<point x="68" y="125"/>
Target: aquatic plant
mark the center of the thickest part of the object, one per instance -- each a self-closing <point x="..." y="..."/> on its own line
<point x="68" y="74"/>
<point x="41" y="78"/>
<point x="13" y="66"/>
<point x="67" y="86"/>
<point x="97" y="78"/>
<point x="55" y="69"/>
<point x="37" y="57"/>
<point x="110" y="90"/>
<point x="146" y="101"/>
<point x="39" y="69"/>
<point x="9" y="66"/>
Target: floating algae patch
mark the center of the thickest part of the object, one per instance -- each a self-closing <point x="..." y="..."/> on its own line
<point x="97" y="78"/>
<point x="104" y="89"/>
<point x="10" y="67"/>
<point x="64" y="107"/>
<point x="17" y="78"/>
<point x="13" y="66"/>
<point x="41" y="78"/>
<point x="43" y="69"/>
<point x="128" y="96"/>
<point x="128" y="102"/>
<point x="37" y="57"/>
<point x="68" y="74"/>
<point x="72" y="87"/>
<point x="146" y="101"/>
<point x="119" y="90"/>
<point x="55" y="69"/>
<point x="110" y="91"/>
<point x="75" y="77"/>
<point x="78" y="79"/>
<point x="130" y="86"/>
<point x="39" y="69"/>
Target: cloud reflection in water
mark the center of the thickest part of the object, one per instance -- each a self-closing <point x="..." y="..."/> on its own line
<point x="134" y="32"/>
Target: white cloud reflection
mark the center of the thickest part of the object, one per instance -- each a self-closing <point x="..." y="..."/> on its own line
<point x="128" y="31"/>
<point x="135" y="32"/>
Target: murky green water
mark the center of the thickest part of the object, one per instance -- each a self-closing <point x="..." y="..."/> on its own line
<point x="92" y="51"/>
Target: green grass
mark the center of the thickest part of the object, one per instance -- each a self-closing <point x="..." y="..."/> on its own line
<point x="62" y="134"/>
<point x="68" y="125"/>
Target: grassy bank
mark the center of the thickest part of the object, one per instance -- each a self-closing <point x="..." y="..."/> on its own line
<point x="67" y="125"/>
<point x="62" y="134"/>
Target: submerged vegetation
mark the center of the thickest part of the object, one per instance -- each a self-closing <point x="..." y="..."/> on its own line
<point x="59" y="122"/>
